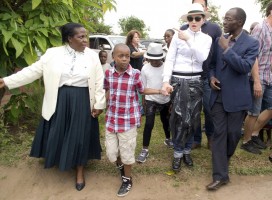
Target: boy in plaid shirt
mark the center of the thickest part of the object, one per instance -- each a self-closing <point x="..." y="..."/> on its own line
<point x="123" y="115"/>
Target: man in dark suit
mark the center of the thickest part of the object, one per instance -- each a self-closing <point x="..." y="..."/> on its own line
<point x="232" y="60"/>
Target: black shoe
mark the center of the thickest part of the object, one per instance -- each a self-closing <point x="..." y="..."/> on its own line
<point x="188" y="160"/>
<point x="80" y="186"/>
<point x="270" y="158"/>
<point x="249" y="147"/>
<point x="257" y="142"/>
<point x="215" y="185"/>
<point x="121" y="169"/>
<point x="176" y="165"/>
<point x="125" y="187"/>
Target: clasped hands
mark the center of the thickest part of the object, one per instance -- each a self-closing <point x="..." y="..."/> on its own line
<point x="96" y="112"/>
<point x="167" y="89"/>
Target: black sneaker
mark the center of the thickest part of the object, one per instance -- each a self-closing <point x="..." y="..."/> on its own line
<point x="257" y="142"/>
<point x="249" y="147"/>
<point x="168" y="142"/>
<point x="176" y="165"/>
<point x="188" y="160"/>
<point x="143" y="156"/>
<point x="121" y="169"/>
<point x="125" y="187"/>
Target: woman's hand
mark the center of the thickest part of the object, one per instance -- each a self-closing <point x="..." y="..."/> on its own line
<point x="183" y="36"/>
<point x="166" y="88"/>
<point x="2" y="83"/>
<point x="96" y="112"/>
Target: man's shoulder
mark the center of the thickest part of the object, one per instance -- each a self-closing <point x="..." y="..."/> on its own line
<point x="184" y="27"/>
<point x="211" y="29"/>
<point x="211" y="24"/>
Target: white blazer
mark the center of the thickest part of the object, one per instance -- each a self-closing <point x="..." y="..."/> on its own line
<point x="50" y="67"/>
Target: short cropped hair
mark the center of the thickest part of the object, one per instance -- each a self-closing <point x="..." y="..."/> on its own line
<point x="240" y="14"/>
<point x="268" y="9"/>
<point x="68" y="30"/>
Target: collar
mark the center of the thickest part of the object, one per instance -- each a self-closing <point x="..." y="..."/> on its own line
<point x="128" y="70"/>
<point x="192" y="32"/>
<point x="268" y="25"/>
<point x="237" y="37"/>
<point x="71" y="51"/>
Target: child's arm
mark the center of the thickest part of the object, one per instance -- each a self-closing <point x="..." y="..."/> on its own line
<point x="148" y="91"/>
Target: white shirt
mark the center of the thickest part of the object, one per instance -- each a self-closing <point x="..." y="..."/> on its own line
<point x="106" y="66"/>
<point x="187" y="56"/>
<point x="75" y="71"/>
<point x="152" y="78"/>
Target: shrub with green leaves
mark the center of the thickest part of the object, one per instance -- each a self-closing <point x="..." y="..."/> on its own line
<point x="29" y="27"/>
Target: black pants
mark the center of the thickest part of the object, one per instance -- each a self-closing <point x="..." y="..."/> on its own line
<point x="150" y="111"/>
<point x="227" y="133"/>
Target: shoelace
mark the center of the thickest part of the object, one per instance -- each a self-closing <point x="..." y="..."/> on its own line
<point x="143" y="152"/>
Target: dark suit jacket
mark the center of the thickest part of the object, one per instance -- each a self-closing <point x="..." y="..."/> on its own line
<point x="231" y="69"/>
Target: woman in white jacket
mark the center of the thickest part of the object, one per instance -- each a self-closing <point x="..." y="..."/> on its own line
<point x="68" y="135"/>
<point x="183" y="69"/>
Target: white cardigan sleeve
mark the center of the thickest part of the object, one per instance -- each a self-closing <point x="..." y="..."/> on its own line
<point x="26" y="75"/>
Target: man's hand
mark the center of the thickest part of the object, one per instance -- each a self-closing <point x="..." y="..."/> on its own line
<point x="257" y="89"/>
<point x="96" y="112"/>
<point x="166" y="88"/>
<point x="215" y="83"/>
<point x="2" y="83"/>
<point x="224" y="42"/>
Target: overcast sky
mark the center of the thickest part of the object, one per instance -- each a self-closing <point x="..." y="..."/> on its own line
<point x="160" y="15"/>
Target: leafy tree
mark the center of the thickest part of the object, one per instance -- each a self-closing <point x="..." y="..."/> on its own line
<point x="102" y="28"/>
<point x="263" y="4"/>
<point x="129" y="23"/>
<point x="214" y="15"/>
<point x="28" y="27"/>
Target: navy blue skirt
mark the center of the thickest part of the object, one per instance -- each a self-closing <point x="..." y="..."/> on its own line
<point x="71" y="137"/>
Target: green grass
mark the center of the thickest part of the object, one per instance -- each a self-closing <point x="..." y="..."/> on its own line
<point x="158" y="162"/>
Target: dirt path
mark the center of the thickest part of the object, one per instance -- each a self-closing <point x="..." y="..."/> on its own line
<point x="35" y="183"/>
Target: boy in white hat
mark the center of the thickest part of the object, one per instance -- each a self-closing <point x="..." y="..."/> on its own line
<point x="151" y="74"/>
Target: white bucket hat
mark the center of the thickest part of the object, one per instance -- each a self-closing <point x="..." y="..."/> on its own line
<point x="154" y="51"/>
<point x="195" y="9"/>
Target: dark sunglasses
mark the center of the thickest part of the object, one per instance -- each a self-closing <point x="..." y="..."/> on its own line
<point x="197" y="18"/>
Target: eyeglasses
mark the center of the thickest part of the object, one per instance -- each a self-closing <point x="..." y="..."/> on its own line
<point x="197" y="18"/>
<point x="228" y="19"/>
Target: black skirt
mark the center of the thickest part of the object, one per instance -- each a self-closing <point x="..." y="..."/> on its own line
<point x="71" y="137"/>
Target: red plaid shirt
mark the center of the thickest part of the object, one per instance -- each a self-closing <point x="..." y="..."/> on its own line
<point x="123" y="108"/>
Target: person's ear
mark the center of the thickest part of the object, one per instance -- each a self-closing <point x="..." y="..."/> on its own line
<point x="240" y="21"/>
